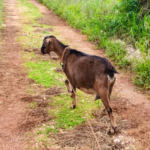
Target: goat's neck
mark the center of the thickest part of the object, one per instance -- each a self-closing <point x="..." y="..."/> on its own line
<point x="58" y="48"/>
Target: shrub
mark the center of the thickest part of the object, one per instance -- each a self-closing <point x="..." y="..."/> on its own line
<point x="142" y="69"/>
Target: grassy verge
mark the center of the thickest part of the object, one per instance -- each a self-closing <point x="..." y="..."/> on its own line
<point x="44" y="74"/>
<point x="142" y="70"/>
<point x="1" y="21"/>
<point x="107" y="21"/>
<point x="1" y="13"/>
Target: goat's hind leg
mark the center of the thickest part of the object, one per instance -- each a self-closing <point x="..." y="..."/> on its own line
<point x="110" y="91"/>
<point x="98" y="97"/>
<point x="104" y="97"/>
<point x="111" y="86"/>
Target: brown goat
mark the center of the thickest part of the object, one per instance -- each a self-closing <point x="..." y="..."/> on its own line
<point x="89" y="73"/>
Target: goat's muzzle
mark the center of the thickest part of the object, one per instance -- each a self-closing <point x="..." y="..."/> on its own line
<point x="43" y="49"/>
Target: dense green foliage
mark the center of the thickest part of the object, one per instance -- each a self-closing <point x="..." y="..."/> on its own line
<point x="142" y="69"/>
<point x="107" y="21"/>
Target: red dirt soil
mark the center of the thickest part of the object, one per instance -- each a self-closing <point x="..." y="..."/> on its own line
<point x="12" y="82"/>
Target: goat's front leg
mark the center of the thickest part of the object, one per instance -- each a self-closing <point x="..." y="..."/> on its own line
<point x="72" y="92"/>
<point x="73" y="96"/>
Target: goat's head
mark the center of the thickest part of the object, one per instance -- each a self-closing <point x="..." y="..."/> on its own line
<point x="47" y="46"/>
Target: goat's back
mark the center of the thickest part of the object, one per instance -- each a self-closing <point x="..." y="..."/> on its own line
<point x="83" y="69"/>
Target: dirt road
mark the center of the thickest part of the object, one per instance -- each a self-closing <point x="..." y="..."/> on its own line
<point x="131" y="106"/>
<point x="12" y="82"/>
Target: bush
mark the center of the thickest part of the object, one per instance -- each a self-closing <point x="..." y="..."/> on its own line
<point x="142" y="69"/>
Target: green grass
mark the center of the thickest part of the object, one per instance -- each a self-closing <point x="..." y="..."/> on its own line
<point x="117" y="52"/>
<point x="69" y="118"/>
<point x="43" y="72"/>
<point x="142" y="68"/>
<point x="1" y="13"/>
<point x="29" y="11"/>
<point x="33" y="105"/>
<point x="107" y="21"/>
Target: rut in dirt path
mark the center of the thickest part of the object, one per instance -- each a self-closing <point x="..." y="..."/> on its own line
<point x="12" y="82"/>
<point x="131" y="105"/>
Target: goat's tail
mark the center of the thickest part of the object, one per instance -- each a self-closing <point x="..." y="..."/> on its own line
<point x="111" y="71"/>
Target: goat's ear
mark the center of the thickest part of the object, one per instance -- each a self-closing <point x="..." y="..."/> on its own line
<point x="66" y="54"/>
<point x="67" y="51"/>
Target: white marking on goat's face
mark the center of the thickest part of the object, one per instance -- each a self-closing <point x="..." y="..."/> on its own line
<point x="47" y="47"/>
<point x="43" y="49"/>
<point x="88" y="91"/>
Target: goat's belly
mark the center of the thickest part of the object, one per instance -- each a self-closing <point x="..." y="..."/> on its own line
<point x="88" y="91"/>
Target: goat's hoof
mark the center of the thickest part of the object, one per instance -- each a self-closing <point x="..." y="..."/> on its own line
<point x="112" y="131"/>
<point x="116" y="130"/>
<point x="73" y="106"/>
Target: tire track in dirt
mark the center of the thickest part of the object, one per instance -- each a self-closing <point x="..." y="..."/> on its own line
<point x="12" y="82"/>
<point x="131" y="105"/>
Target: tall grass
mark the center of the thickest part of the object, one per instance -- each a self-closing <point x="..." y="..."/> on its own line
<point x="142" y="70"/>
<point x="106" y="21"/>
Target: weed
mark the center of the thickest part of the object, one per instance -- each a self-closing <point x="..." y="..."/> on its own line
<point x="33" y="105"/>
<point x="39" y="132"/>
<point x="50" y="129"/>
